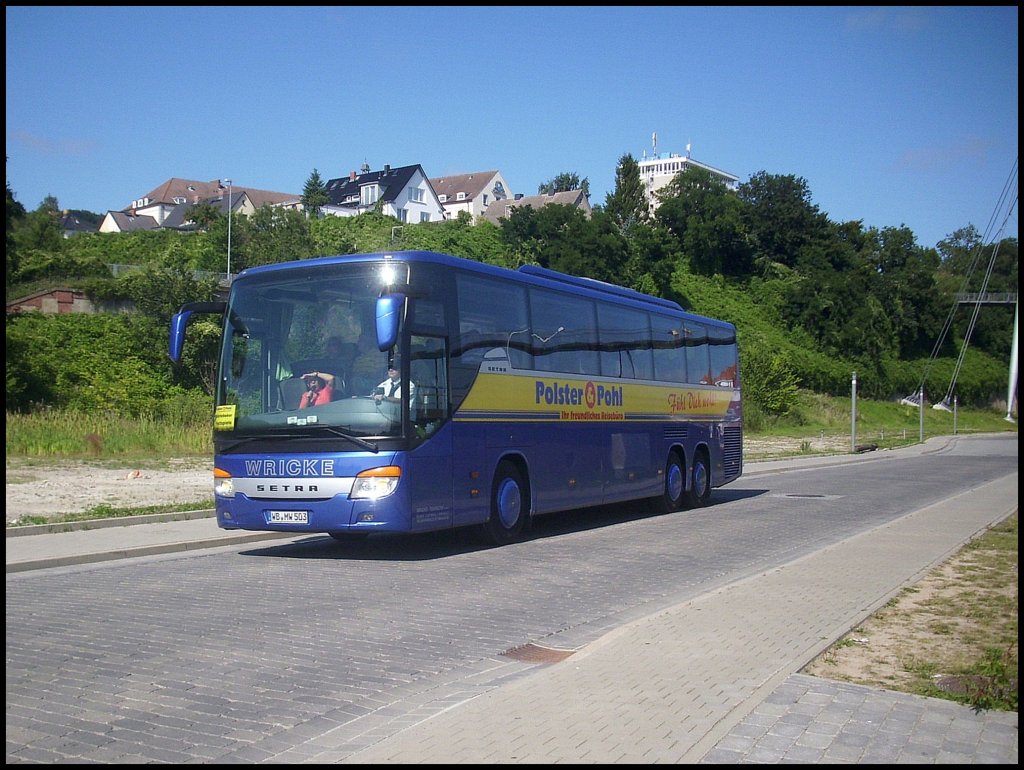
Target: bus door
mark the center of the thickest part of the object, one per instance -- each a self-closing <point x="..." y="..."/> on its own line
<point x="430" y="461"/>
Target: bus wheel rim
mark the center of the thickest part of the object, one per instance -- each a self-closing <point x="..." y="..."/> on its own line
<point x="675" y="481"/>
<point x="509" y="503"/>
<point x="700" y="479"/>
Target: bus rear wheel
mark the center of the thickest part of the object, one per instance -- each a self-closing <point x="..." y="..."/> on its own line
<point x="672" y="498"/>
<point x="510" y="505"/>
<point x="700" y="483"/>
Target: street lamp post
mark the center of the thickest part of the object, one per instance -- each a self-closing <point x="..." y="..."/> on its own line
<point x="229" y="228"/>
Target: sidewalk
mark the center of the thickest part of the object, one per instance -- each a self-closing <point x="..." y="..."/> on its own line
<point x="713" y="680"/>
<point x="61" y="545"/>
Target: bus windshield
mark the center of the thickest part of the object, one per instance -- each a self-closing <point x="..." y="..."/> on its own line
<point x="300" y="351"/>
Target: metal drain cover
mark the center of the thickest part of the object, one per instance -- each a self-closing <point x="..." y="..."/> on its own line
<point x="534" y="653"/>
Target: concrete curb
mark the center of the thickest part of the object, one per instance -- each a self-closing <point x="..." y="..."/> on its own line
<point x="117" y="521"/>
<point x="235" y="538"/>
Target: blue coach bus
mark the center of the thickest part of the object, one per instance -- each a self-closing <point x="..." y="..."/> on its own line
<point x="521" y="392"/>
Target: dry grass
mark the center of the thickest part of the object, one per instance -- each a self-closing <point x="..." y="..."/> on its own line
<point x="953" y="635"/>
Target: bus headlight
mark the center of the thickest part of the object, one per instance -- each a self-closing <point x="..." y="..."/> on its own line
<point x="376" y="483"/>
<point x="223" y="484"/>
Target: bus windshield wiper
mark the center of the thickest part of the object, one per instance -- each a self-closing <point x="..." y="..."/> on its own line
<point x="290" y="435"/>
<point x="239" y="442"/>
<point x="354" y="439"/>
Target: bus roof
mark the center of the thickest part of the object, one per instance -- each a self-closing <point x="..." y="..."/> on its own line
<point x="533" y="274"/>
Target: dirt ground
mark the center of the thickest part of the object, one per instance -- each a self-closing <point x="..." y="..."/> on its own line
<point x="47" y="489"/>
<point x="940" y="624"/>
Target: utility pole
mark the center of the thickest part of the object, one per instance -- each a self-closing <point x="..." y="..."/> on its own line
<point x="229" y="229"/>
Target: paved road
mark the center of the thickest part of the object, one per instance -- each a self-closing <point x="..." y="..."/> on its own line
<point x="712" y="679"/>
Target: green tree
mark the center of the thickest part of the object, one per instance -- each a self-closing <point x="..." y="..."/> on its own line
<point x="314" y="195"/>
<point x="203" y="214"/>
<point x="563" y="238"/>
<point x="769" y="381"/>
<point x="369" y="232"/>
<point x="480" y="242"/>
<point x="564" y="182"/>
<point x="840" y="308"/>
<point x="970" y="267"/>
<point x="959" y="252"/>
<point x="627" y="203"/>
<point x="142" y="246"/>
<point x="274" y="234"/>
<point x="40" y="230"/>
<point x="907" y="289"/>
<point x="88" y="362"/>
<point x="706" y="219"/>
<point x="653" y="257"/>
<point x="37" y="265"/>
<point x="592" y="247"/>
<point x="779" y="218"/>
<point x="332" y="235"/>
<point x="159" y="291"/>
<point x="15" y="214"/>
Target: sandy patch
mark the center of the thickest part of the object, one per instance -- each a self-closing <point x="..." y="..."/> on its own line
<point x="73" y="487"/>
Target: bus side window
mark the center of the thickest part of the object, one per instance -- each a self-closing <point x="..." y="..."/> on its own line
<point x="623" y="342"/>
<point x="670" y="362"/>
<point x="564" y="333"/>
<point x="698" y="364"/>
<point x="723" y="356"/>
<point x="497" y="311"/>
<point x="427" y="371"/>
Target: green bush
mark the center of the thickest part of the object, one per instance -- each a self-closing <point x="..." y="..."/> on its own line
<point x="769" y="382"/>
<point x="87" y="363"/>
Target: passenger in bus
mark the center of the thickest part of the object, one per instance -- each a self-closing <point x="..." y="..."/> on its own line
<point x="318" y="391"/>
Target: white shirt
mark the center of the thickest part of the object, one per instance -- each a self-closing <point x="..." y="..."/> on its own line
<point x="386" y="385"/>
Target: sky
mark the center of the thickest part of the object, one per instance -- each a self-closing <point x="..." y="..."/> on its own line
<point x="892" y="116"/>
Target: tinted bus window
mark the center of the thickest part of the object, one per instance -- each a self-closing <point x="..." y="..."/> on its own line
<point x="564" y="333"/>
<point x="722" y="343"/>
<point x="698" y="365"/>
<point x="428" y="314"/>
<point x="669" y="358"/>
<point x="625" y="336"/>
<point x="492" y="314"/>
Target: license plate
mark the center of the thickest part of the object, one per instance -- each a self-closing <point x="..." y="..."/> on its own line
<point x="289" y="517"/>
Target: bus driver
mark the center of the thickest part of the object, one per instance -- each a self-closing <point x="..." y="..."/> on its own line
<point x="393" y="388"/>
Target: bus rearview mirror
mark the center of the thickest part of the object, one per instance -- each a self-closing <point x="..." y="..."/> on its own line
<point x="388" y="312"/>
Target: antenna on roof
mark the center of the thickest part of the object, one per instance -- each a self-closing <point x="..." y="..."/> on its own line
<point x="654" y="143"/>
<point x="365" y="168"/>
<point x="688" y="149"/>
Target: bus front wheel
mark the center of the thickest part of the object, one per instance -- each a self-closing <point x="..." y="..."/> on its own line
<point x="671" y="498"/>
<point x="510" y="505"/>
<point x="700" y="483"/>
